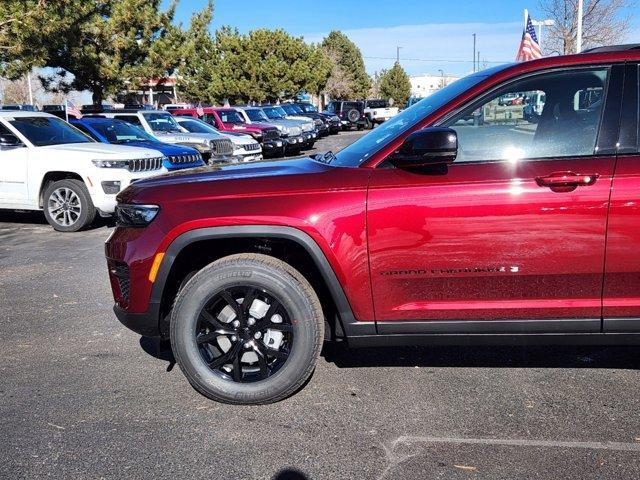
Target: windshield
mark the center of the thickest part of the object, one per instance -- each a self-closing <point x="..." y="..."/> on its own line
<point x="256" y="115"/>
<point x="365" y="147"/>
<point x="230" y="116"/>
<point x="121" y="132"/>
<point x="307" y="108"/>
<point x="195" y="126"/>
<point x="274" y="113"/>
<point x="43" y="131"/>
<point x="291" y="109"/>
<point x="162" y="122"/>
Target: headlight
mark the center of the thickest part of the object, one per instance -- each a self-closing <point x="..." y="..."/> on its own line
<point x="128" y="215"/>
<point x="256" y="135"/>
<point x="318" y="122"/>
<point x="111" y="163"/>
<point x="202" y="148"/>
<point x="281" y="128"/>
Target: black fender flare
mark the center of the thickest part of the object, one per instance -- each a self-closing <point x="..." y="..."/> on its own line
<point x="350" y="325"/>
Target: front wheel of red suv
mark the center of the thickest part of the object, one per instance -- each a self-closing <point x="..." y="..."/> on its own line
<point x="247" y="329"/>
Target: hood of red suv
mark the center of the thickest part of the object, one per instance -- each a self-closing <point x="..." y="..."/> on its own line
<point x="232" y="179"/>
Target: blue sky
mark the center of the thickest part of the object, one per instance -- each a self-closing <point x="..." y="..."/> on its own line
<point x="433" y="34"/>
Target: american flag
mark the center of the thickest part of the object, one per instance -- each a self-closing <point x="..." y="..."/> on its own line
<point x="529" y="46"/>
<point x="73" y="110"/>
<point x="200" y="110"/>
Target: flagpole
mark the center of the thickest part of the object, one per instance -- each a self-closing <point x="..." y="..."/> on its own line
<point x="579" y="34"/>
<point x="66" y="109"/>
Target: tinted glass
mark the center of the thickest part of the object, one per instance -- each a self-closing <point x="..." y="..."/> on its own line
<point x="162" y="122"/>
<point x="273" y="113"/>
<point x="194" y="126"/>
<point x="230" y="116"/>
<point x="256" y="115"/>
<point x="42" y="131"/>
<point x="133" y="119"/>
<point x="351" y="105"/>
<point x="122" y="132"/>
<point x="85" y="130"/>
<point x="548" y="115"/>
<point x="377" y="104"/>
<point x="365" y="147"/>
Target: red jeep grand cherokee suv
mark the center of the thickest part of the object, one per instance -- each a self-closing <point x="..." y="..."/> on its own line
<point x="457" y="221"/>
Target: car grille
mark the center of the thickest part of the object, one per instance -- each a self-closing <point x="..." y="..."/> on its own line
<point x="120" y="274"/>
<point x="221" y="147"/>
<point x="307" y="127"/>
<point x="271" y="134"/>
<point x="145" y="164"/>
<point x="181" y="159"/>
<point x="295" y="131"/>
<point x="252" y="147"/>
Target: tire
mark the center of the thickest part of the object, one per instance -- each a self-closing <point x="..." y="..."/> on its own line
<point x="67" y="205"/>
<point x="197" y="322"/>
<point x="353" y="115"/>
<point x="369" y="124"/>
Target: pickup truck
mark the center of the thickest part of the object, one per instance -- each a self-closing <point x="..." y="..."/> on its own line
<point x="426" y="230"/>
<point x="229" y="120"/>
<point x="378" y="111"/>
<point x="49" y="165"/>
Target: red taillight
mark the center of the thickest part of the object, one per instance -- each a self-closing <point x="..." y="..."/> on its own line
<point x="341" y="114"/>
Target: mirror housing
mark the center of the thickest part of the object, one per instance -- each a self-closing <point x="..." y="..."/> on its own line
<point x="427" y="147"/>
<point x="9" y="140"/>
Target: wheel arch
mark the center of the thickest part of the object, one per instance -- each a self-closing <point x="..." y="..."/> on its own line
<point x="54" y="176"/>
<point x="161" y="287"/>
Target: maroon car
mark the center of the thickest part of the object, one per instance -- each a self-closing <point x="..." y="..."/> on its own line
<point x="432" y="228"/>
<point x="229" y="120"/>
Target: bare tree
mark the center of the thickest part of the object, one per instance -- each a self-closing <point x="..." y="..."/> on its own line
<point x="604" y="22"/>
<point x="339" y="83"/>
<point x="15" y="91"/>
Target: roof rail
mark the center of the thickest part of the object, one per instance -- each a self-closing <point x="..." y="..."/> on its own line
<point x="613" y="48"/>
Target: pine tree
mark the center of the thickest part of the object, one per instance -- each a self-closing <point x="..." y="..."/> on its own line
<point x="96" y="45"/>
<point x="395" y="84"/>
<point x="349" y="78"/>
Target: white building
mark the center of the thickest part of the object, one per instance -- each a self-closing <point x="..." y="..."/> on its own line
<point x="425" y="85"/>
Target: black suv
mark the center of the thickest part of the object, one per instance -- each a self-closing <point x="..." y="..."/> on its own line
<point x="351" y="113"/>
<point x="333" y="121"/>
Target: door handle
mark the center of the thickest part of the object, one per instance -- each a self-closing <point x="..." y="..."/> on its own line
<point x="567" y="179"/>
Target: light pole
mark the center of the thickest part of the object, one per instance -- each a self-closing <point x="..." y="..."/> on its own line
<point x="398" y="54"/>
<point x="474" y="52"/>
<point x="579" y="33"/>
<point x="442" y="85"/>
<point x="540" y="24"/>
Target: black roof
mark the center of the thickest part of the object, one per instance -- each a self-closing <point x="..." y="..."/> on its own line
<point x="613" y="48"/>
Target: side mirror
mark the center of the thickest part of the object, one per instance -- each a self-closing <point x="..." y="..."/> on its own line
<point x="10" y="140"/>
<point x="427" y="147"/>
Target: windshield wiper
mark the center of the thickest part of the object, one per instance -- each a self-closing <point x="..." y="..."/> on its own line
<point x="326" y="157"/>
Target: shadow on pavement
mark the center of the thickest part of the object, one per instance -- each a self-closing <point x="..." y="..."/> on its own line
<point x="623" y="357"/>
<point x="290" y="474"/>
<point x="31" y="217"/>
<point x="612" y="357"/>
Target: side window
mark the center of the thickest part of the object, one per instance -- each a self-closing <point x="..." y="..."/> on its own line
<point x="129" y="118"/>
<point x="4" y="130"/>
<point x="84" y="129"/>
<point x="548" y="115"/>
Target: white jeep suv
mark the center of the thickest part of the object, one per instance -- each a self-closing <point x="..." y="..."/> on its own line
<point x="46" y="164"/>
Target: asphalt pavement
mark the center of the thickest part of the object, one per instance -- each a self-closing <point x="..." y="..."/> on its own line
<point x="83" y="397"/>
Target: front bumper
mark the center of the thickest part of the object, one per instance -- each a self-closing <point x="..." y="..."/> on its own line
<point x="145" y="324"/>
<point x="295" y="142"/>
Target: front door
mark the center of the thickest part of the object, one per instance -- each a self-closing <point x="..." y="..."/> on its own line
<point x="513" y="232"/>
<point x="13" y="173"/>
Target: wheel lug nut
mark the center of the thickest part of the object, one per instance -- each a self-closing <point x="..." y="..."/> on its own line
<point x="236" y="323"/>
<point x="233" y="338"/>
<point x="251" y="321"/>
<point x="257" y="335"/>
<point x="247" y="344"/>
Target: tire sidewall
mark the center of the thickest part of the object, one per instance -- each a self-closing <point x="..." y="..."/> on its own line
<point x="200" y="289"/>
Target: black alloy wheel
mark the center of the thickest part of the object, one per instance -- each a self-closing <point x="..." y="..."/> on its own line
<point x="238" y="330"/>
